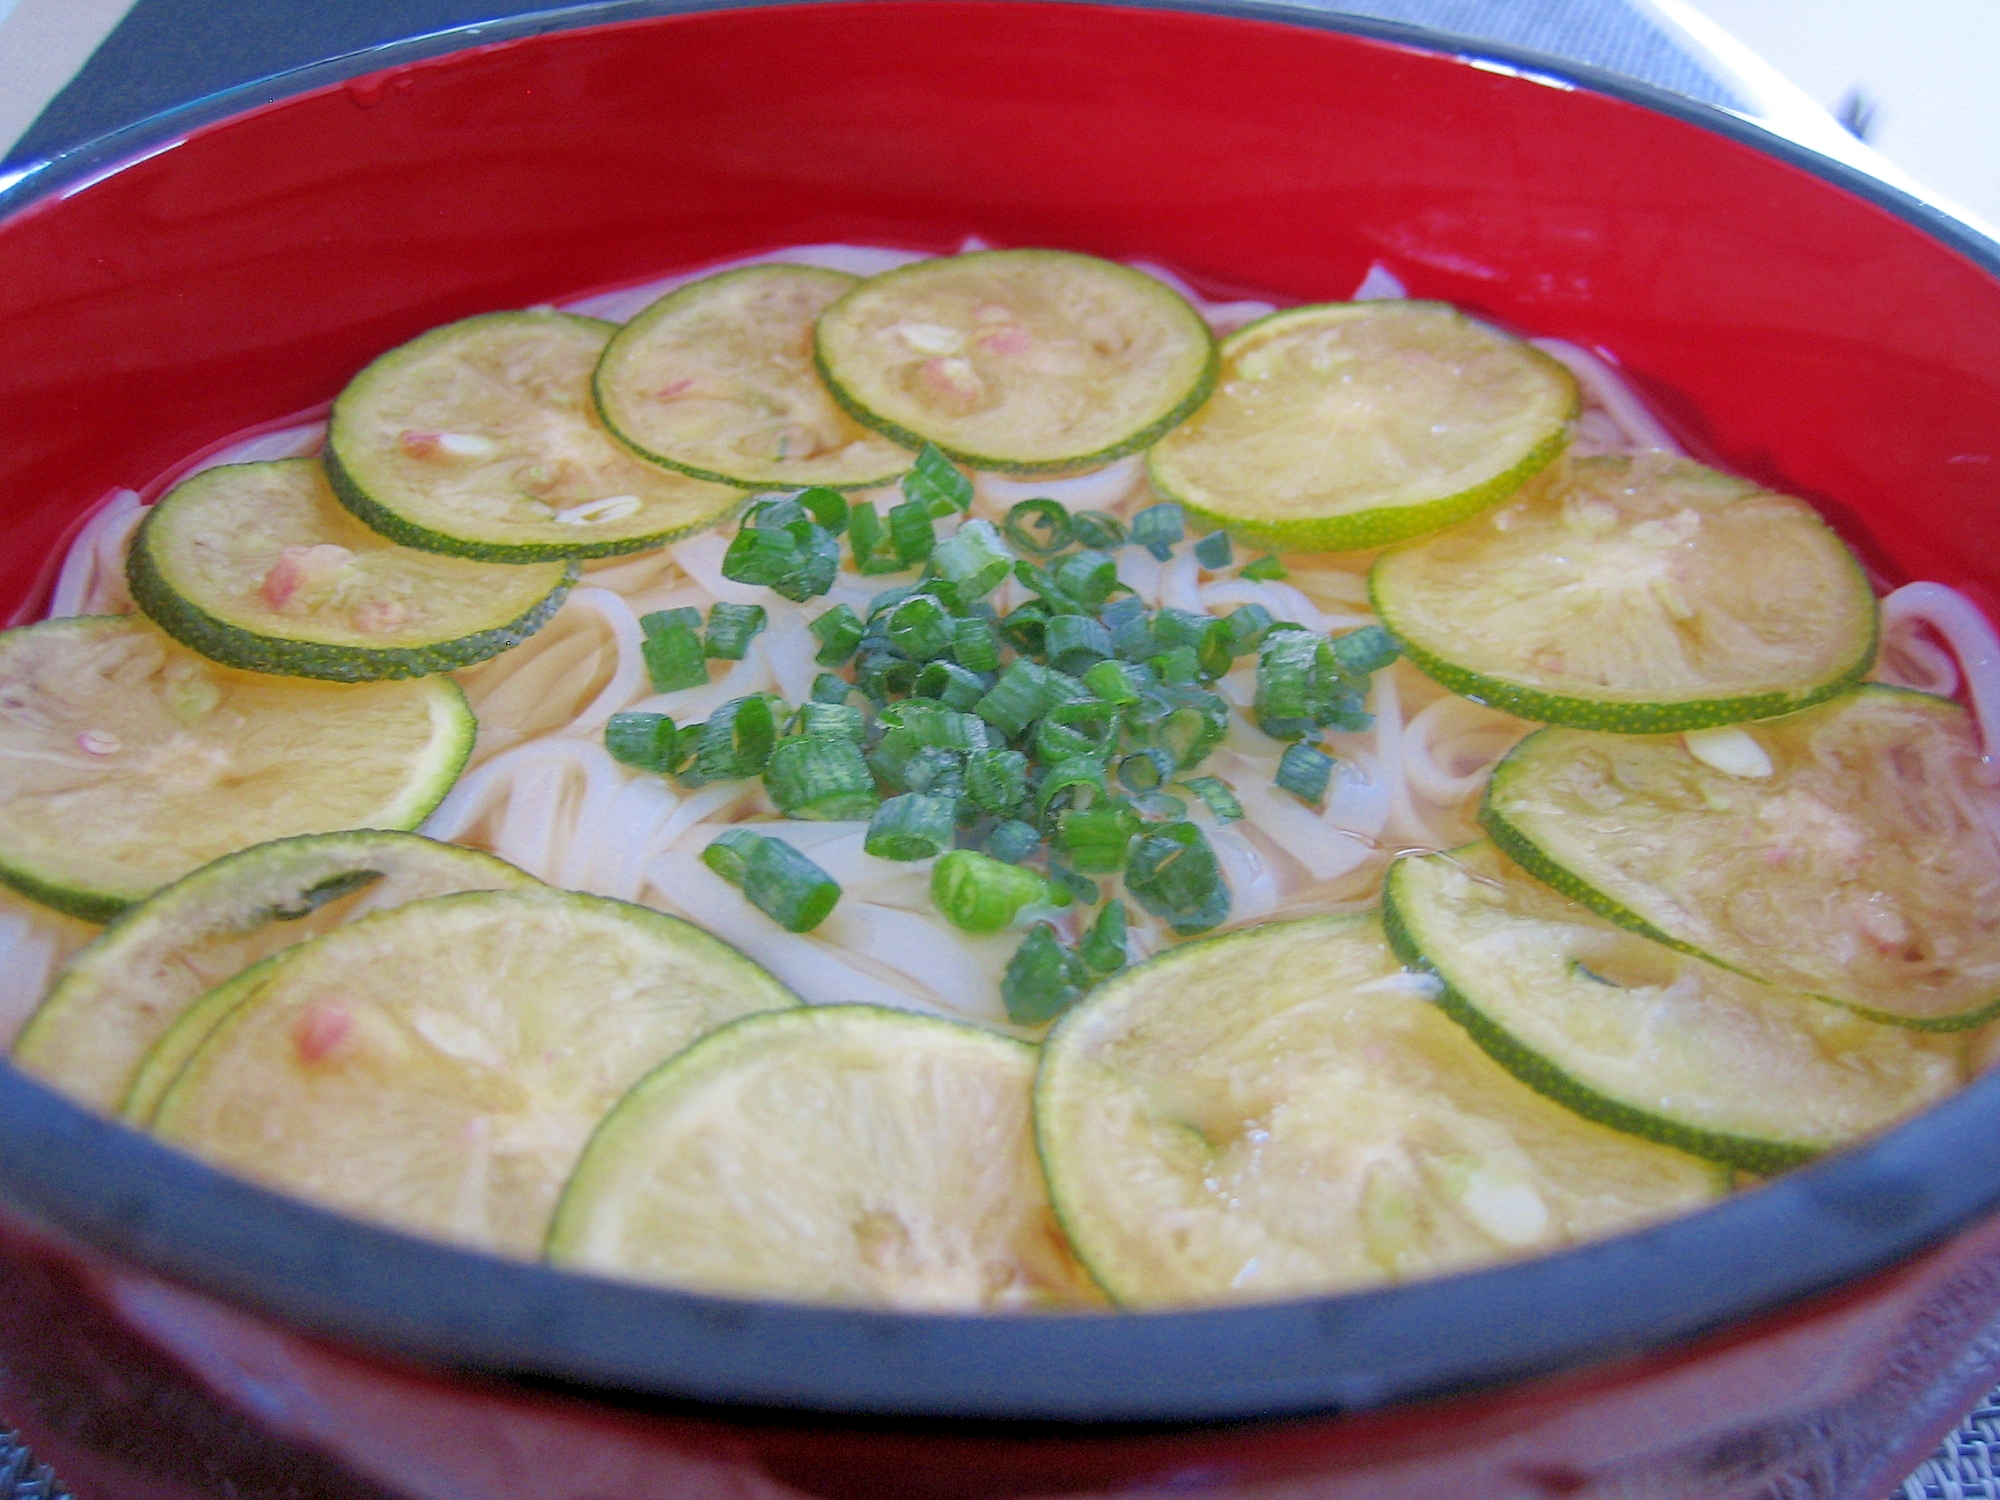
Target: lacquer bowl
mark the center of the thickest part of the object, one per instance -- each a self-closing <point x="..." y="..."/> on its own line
<point x="166" y="1331"/>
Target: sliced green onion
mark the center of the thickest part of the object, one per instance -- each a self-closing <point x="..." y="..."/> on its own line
<point x="950" y="684"/>
<point x="798" y="560"/>
<point x="1113" y="681"/>
<point x="976" y="644"/>
<point x="828" y="688"/>
<point x="978" y="893"/>
<point x="1096" y="837"/>
<point x="1194" y="726"/>
<point x="1266" y="569"/>
<point x="1180" y="665"/>
<point x="912" y="531"/>
<point x="1172" y="872"/>
<point x="912" y="826"/>
<point x="1013" y="840"/>
<point x="1061" y="785"/>
<point x="674" y="658"/>
<point x="1287" y="669"/>
<point x="867" y="541"/>
<point x="1158" y="527"/>
<point x="730" y="627"/>
<point x="996" y="781"/>
<point x="728" y="853"/>
<point x="687" y="617"/>
<point x="974" y="562"/>
<point x="1073" y="886"/>
<point x="1216" y="650"/>
<point x="842" y="720"/>
<point x="1039" y="526"/>
<point x="935" y="482"/>
<point x="1098" y="530"/>
<point x="919" y="628"/>
<point x="1020" y="697"/>
<point x="1213" y="551"/>
<point x="936" y="770"/>
<point x="1160" y="807"/>
<point x="827" y="506"/>
<point x="1102" y="946"/>
<point x="1086" y="727"/>
<point x="1248" y="625"/>
<point x="641" y="739"/>
<point x="1090" y="578"/>
<point x="1043" y="978"/>
<point x="1216" y="796"/>
<point x="1305" y="771"/>
<point x="787" y="887"/>
<point x="737" y="739"/>
<point x="887" y="600"/>
<point x="838" y="631"/>
<point x="1075" y="642"/>
<point x="928" y="722"/>
<point x="1146" y="770"/>
<point x="1367" y="650"/>
<point x="1026" y="629"/>
<point x="882" y="674"/>
<point x="1131" y="627"/>
<point x="1181" y="627"/>
<point x="820" y="777"/>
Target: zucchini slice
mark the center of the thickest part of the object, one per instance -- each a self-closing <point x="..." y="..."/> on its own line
<point x="1323" y="1128"/>
<point x="438" y="1067"/>
<point x="133" y="761"/>
<point x="717" y="380"/>
<point x="164" y="1060"/>
<point x="1017" y="361"/>
<point x="1847" y="851"/>
<point x="1644" y="1039"/>
<point x="114" y="1000"/>
<point x="1356" y="424"/>
<point x="840" y="1153"/>
<point x="479" y="439"/>
<point x="259" y="566"/>
<point x="1639" y="595"/>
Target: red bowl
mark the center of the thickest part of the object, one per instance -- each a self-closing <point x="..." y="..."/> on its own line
<point x="168" y="1331"/>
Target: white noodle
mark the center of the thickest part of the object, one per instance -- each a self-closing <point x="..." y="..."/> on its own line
<point x="92" y="580"/>
<point x="1603" y="386"/>
<point x="1972" y="640"/>
<point x="1379" y="285"/>
<point x="1223" y="317"/>
<point x="300" y="441"/>
<point x="1100" y="489"/>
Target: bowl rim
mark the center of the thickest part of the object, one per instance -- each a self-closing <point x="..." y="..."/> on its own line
<point x="1850" y="1216"/>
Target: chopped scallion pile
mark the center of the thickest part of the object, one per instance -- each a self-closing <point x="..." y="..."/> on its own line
<point x="1036" y="756"/>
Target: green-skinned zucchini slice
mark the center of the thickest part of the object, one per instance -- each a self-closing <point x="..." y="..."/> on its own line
<point x="114" y="1000"/>
<point x="1646" y="1039"/>
<point x="480" y="439"/>
<point x="1848" y="851"/>
<point x="133" y="761"/>
<point x="1356" y="424"/>
<point x="259" y="566"/>
<point x="841" y="1153"/>
<point x="1638" y="595"/>
<point x="1322" y="1128"/>
<point x="438" y="1067"/>
<point x="717" y="380"/>
<point x="1017" y="361"/>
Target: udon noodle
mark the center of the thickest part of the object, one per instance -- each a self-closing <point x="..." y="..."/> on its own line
<point x="543" y="792"/>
